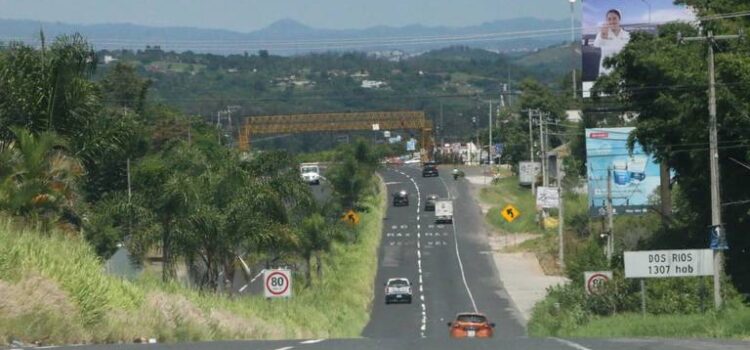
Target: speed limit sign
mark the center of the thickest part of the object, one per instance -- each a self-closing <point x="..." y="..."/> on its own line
<point x="277" y="283"/>
<point x="595" y="280"/>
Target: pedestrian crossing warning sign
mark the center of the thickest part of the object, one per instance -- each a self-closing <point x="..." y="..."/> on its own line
<point x="510" y="213"/>
<point x="351" y="217"/>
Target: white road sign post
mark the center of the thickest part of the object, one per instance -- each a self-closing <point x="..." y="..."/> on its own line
<point x="547" y="197"/>
<point x="669" y="263"/>
<point x="595" y="280"/>
<point x="528" y="171"/>
<point x="277" y="283"/>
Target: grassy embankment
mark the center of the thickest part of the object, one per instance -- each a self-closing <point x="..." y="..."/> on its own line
<point x="54" y="291"/>
<point x="734" y="322"/>
<point x="545" y="245"/>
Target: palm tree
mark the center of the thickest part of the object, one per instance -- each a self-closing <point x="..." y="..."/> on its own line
<point x="317" y="236"/>
<point x="48" y="89"/>
<point x="37" y="176"/>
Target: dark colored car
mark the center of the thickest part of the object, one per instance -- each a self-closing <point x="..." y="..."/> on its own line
<point x="429" y="170"/>
<point x="429" y="204"/>
<point x="400" y="198"/>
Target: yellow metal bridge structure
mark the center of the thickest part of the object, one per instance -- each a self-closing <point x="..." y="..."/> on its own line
<point x="327" y="122"/>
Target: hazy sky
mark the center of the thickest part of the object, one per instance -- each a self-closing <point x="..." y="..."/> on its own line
<point x="248" y="15"/>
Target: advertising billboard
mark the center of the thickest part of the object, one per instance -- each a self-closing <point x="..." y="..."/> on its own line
<point x="607" y="25"/>
<point x="634" y="177"/>
<point x="528" y="172"/>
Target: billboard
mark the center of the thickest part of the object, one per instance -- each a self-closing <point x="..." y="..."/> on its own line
<point x="634" y="177"/>
<point x="528" y="172"/>
<point x="607" y="25"/>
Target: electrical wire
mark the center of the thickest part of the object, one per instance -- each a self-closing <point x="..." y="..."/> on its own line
<point x="353" y="42"/>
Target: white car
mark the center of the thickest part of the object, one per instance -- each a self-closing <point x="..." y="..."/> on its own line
<point x="398" y="290"/>
<point x="310" y="173"/>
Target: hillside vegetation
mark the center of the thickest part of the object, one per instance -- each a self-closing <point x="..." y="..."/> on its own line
<point x="55" y="298"/>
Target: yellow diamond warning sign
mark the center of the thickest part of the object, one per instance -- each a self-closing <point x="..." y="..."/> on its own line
<point x="351" y="217"/>
<point x="510" y="213"/>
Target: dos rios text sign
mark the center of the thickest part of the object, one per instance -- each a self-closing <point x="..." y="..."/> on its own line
<point x="669" y="263"/>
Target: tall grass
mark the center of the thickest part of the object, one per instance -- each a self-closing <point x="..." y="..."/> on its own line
<point x="730" y="323"/>
<point x="76" y="302"/>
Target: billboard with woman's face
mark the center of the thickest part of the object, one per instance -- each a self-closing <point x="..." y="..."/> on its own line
<point x="607" y="25"/>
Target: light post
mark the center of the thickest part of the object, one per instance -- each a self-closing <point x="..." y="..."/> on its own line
<point x="573" y="42"/>
<point x="649" y="10"/>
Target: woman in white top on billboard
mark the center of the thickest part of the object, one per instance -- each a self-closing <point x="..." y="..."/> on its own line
<point x="611" y="39"/>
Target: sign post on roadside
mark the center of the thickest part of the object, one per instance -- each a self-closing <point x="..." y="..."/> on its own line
<point x="595" y="280"/>
<point x="547" y="197"/>
<point x="667" y="263"/>
<point x="277" y="283"/>
<point x="510" y="213"/>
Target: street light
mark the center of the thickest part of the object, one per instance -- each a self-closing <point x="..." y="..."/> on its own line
<point x="649" y="9"/>
<point x="572" y="41"/>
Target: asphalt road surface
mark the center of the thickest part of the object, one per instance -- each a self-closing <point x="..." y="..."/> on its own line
<point x="452" y="271"/>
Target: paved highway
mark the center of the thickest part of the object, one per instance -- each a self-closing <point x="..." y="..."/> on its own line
<point x="452" y="271"/>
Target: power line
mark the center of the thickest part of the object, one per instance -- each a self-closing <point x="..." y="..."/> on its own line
<point x="322" y="44"/>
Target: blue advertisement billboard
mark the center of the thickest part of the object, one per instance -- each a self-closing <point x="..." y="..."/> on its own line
<point x="635" y="176"/>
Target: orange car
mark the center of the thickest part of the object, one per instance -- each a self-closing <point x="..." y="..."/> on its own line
<point x="471" y="325"/>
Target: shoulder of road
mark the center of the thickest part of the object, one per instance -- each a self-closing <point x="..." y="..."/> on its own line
<point x="520" y="273"/>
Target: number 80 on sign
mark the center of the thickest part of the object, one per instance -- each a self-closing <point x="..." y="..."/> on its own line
<point x="277" y="283"/>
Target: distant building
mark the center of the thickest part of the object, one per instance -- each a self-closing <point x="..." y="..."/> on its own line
<point x="109" y="59"/>
<point x="372" y="84"/>
<point x="573" y="116"/>
<point x="360" y="75"/>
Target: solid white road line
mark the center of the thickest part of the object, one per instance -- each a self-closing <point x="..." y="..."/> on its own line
<point x="285" y="348"/>
<point x="458" y="255"/>
<point x="573" y="345"/>
<point x="312" y="341"/>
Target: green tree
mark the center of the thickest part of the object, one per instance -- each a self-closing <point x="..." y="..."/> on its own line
<point x="48" y="89"/>
<point x="123" y="87"/>
<point x="317" y="236"/>
<point x="38" y="178"/>
<point x="665" y="84"/>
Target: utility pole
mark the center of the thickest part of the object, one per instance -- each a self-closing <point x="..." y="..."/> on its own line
<point x="489" y="143"/>
<point x="560" y="212"/>
<point x="130" y="196"/>
<point x="714" y="157"/>
<point x="510" y="90"/>
<point x="442" y="132"/>
<point x="542" y="150"/>
<point x="573" y="43"/>
<point x="531" y="152"/>
<point x="610" y="220"/>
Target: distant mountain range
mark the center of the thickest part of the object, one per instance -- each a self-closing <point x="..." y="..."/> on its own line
<point x="287" y="37"/>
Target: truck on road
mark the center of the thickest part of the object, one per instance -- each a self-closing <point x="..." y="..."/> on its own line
<point x="444" y="211"/>
<point x="310" y="173"/>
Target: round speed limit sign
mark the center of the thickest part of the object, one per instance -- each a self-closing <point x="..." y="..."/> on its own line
<point x="277" y="283"/>
<point x="595" y="280"/>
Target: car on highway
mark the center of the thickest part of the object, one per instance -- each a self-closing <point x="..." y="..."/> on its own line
<point x="429" y="170"/>
<point x="443" y="211"/>
<point x="398" y="290"/>
<point x="471" y="325"/>
<point x="310" y="173"/>
<point x="429" y="204"/>
<point x="401" y="198"/>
